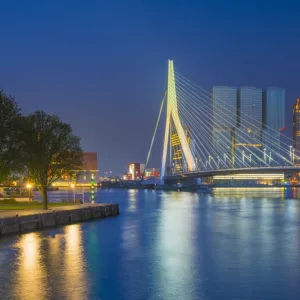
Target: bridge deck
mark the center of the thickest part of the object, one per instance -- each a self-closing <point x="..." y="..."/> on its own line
<point x="210" y="173"/>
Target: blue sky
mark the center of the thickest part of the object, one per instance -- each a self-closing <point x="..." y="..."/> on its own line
<point x="102" y="65"/>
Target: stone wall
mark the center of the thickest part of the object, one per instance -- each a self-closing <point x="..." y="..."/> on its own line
<point x="48" y="219"/>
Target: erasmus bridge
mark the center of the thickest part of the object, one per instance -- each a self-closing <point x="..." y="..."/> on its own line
<point x="204" y="139"/>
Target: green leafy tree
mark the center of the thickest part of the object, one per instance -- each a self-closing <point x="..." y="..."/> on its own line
<point x="10" y="114"/>
<point x="49" y="150"/>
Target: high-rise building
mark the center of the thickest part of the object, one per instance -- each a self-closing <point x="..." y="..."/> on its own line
<point x="274" y="108"/>
<point x="296" y="128"/>
<point x="179" y="164"/>
<point x="249" y="107"/>
<point x="273" y="117"/>
<point x="224" y="98"/>
<point x="224" y="119"/>
<point x="250" y="111"/>
<point x="237" y="122"/>
<point x="176" y="153"/>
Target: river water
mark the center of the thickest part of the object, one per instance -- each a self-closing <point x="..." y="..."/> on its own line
<point x="233" y="244"/>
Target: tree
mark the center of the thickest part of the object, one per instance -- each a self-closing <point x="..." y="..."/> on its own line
<point x="9" y="135"/>
<point x="49" y="150"/>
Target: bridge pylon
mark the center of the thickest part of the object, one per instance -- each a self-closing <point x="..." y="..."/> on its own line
<point x="172" y="115"/>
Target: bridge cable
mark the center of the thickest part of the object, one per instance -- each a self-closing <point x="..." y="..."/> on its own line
<point x="266" y="133"/>
<point x="154" y="134"/>
<point x="277" y="146"/>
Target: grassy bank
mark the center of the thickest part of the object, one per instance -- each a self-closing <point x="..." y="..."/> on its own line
<point x="14" y="205"/>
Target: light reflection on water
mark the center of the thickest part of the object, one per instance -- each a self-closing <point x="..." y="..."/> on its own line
<point x="30" y="275"/>
<point x="164" y="245"/>
<point x="46" y="266"/>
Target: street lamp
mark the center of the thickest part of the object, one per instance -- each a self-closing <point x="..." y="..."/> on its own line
<point x="72" y="185"/>
<point x="265" y="155"/>
<point x="29" y="187"/>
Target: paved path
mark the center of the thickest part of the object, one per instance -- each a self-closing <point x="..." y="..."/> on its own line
<point x="28" y="212"/>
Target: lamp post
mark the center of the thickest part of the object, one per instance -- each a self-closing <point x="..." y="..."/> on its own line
<point x="29" y="186"/>
<point x="72" y="185"/>
<point x="92" y="189"/>
<point x="265" y="156"/>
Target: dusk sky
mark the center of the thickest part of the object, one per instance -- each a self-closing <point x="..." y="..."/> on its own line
<point x="102" y="65"/>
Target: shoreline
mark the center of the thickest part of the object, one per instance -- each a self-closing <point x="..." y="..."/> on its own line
<point x="24" y="221"/>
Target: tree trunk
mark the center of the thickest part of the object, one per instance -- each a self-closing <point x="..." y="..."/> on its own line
<point x="44" y="197"/>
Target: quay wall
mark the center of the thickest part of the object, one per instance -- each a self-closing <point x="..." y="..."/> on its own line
<point x="48" y="219"/>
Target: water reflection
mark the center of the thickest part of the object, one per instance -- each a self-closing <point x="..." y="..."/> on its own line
<point x="50" y="266"/>
<point x="75" y="269"/>
<point x="30" y="278"/>
<point x="164" y="245"/>
<point x="175" y="249"/>
<point x="133" y="194"/>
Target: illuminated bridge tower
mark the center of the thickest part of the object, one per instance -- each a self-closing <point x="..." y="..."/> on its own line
<point x="172" y="117"/>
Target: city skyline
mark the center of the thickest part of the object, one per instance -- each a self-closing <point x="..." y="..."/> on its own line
<point x="104" y="75"/>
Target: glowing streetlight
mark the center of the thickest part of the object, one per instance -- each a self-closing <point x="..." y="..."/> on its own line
<point x="72" y="185"/>
<point x="29" y="187"/>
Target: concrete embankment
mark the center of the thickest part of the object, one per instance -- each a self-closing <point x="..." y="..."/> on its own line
<point x="14" y="222"/>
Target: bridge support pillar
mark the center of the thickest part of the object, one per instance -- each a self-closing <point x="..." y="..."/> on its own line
<point x="172" y="115"/>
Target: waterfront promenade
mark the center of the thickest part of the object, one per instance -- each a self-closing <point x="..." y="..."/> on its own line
<point x="19" y="221"/>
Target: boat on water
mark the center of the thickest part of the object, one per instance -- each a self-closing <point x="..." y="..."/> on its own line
<point x="204" y="188"/>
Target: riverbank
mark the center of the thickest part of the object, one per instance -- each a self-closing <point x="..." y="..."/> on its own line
<point x="19" y="221"/>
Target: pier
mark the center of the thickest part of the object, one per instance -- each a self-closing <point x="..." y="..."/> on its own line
<point x="15" y="222"/>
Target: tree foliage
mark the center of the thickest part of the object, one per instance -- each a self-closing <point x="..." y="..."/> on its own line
<point x="49" y="150"/>
<point x="9" y="135"/>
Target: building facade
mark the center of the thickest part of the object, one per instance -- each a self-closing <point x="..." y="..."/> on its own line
<point x="224" y="119"/>
<point x="83" y="177"/>
<point x="177" y="159"/>
<point x="135" y="170"/>
<point x="250" y="112"/>
<point x="296" y="129"/>
<point x="243" y="120"/>
<point x="273" y="117"/>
